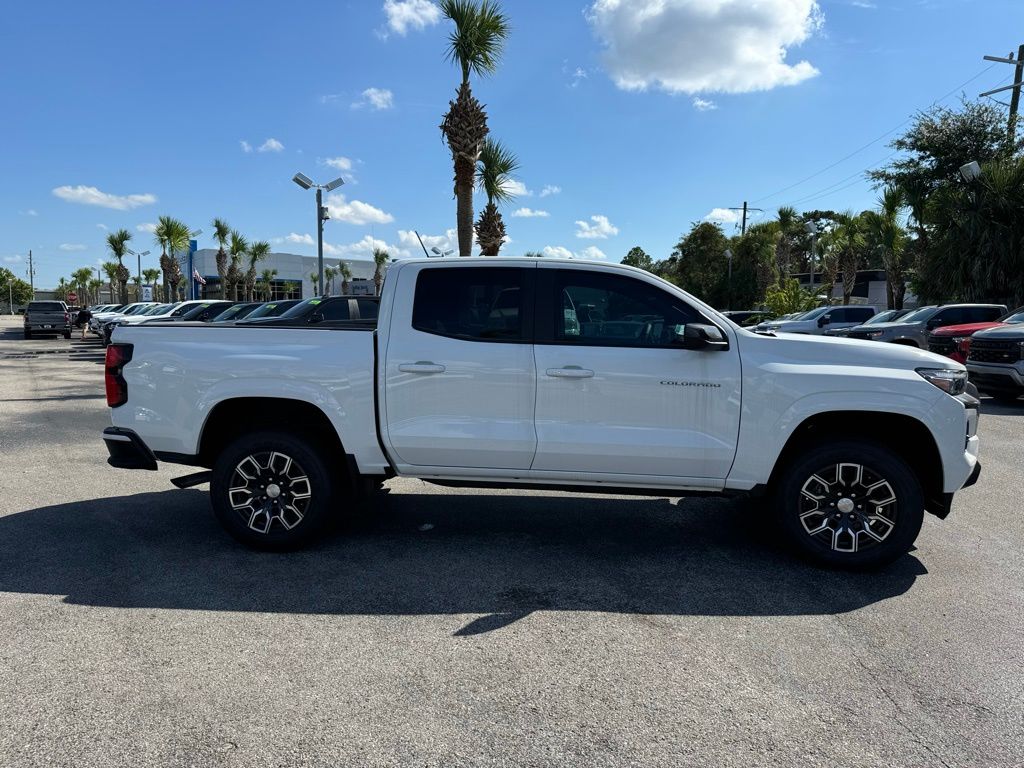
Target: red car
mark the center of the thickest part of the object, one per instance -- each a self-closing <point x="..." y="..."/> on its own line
<point x="955" y="340"/>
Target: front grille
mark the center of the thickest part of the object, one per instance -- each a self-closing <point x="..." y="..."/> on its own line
<point x="858" y="335"/>
<point x="994" y="351"/>
<point x="942" y="345"/>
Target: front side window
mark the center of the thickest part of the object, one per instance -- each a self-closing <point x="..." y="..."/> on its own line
<point x="471" y="303"/>
<point x="598" y="309"/>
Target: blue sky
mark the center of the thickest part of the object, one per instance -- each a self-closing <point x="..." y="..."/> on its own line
<point x="631" y="118"/>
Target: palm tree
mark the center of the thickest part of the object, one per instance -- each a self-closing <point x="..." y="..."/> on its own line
<point x="315" y="279"/>
<point x="494" y="171"/>
<point x="222" y="234"/>
<point x="61" y="291"/>
<point x="789" y="230"/>
<point x="380" y="260"/>
<point x="110" y="270"/>
<point x="238" y="248"/>
<point x="329" y="274"/>
<point x="81" y="278"/>
<point x="266" y="281"/>
<point x="848" y="243"/>
<point x="94" y="286"/>
<point x="151" y="275"/>
<point x="346" y="274"/>
<point x="888" y="238"/>
<point x="171" y="235"/>
<point x="475" y="45"/>
<point x="257" y="252"/>
<point x="117" y="242"/>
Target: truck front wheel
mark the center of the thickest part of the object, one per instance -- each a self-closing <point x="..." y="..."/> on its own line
<point x="850" y="504"/>
<point x="271" y="490"/>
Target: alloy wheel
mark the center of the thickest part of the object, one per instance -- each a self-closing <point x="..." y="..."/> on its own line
<point x="269" y="490"/>
<point x="847" y="507"/>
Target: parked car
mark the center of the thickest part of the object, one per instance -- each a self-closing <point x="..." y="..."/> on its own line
<point x="822" y="319"/>
<point x="175" y="314"/>
<point x="913" y="329"/>
<point x="237" y="312"/>
<point x="955" y="340"/>
<point x="326" y="309"/>
<point x="996" y="361"/>
<point x="476" y="373"/>
<point x="272" y="309"/>
<point x="156" y="312"/>
<point x="888" y="316"/>
<point x="98" y="319"/>
<point x="198" y="310"/>
<point x="50" y="318"/>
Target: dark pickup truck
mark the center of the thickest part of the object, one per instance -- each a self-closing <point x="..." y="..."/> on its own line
<point x="47" y="318"/>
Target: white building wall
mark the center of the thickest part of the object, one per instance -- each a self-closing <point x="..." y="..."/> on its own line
<point x="289" y="266"/>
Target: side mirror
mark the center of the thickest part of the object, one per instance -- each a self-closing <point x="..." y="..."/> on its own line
<point x="316" y="317"/>
<point x="824" y="320"/>
<point x="934" y="323"/>
<point x="701" y="336"/>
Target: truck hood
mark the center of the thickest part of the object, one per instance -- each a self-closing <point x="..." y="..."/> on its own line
<point x="966" y="329"/>
<point x="837" y="350"/>
<point x="1003" y="331"/>
<point x="896" y="326"/>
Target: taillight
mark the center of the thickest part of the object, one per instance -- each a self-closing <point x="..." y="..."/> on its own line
<point x="118" y="355"/>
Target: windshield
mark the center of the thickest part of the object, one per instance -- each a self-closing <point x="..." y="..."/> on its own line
<point x="272" y="309"/>
<point x="1017" y="316"/>
<point x="919" y="315"/>
<point x="301" y="308"/>
<point x="181" y="310"/>
<point x="139" y="309"/>
<point x="814" y="314"/>
<point x="882" y="317"/>
<point x="235" y="312"/>
<point x="159" y="309"/>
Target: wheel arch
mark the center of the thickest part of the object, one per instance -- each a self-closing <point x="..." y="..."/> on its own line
<point x="907" y="436"/>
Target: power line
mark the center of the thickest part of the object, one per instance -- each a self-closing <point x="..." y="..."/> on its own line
<point x="873" y="141"/>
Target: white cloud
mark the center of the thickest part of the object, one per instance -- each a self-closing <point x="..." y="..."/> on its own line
<point x="404" y="15"/>
<point x="338" y="163"/>
<point x="364" y="248"/>
<point x="530" y="213"/>
<point x="550" y="189"/>
<point x="516" y="188"/>
<point x="303" y="239"/>
<point x="146" y="226"/>
<point x="29" y="212"/>
<point x="270" y="145"/>
<point x="558" y="252"/>
<point x="723" y="216"/>
<point x="355" y="211"/>
<point x="246" y="146"/>
<point x="441" y="242"/>
<point x="577" y="76"/>
<point x="102" y="226"/>
<point x="593" y="253"/>
<point x="84" y="195"/>
<point x="375" y="98"/>
<point x="601" y="229"/>
<point x="12" y="259"/>
<point x="703" y="105"/>
<point x="694" y="46"/>
<point x="71" y="247"/>
<point x="863" y="4"/>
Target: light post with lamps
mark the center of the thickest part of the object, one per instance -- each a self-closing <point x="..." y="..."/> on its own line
<point x="321" y="216"/>
<point x="138" y="268"/>
<point x="191" y="264"/>
<point x="728" y="255"/>
<point x="812" y="230"/>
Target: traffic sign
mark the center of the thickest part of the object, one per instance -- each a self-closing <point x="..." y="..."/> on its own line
<point x="72" y="297"/>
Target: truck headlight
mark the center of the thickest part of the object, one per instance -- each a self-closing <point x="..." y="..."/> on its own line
<point x="950" y="381"/>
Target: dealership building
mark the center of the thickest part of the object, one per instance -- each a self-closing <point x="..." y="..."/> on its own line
<point x="293" y="274"/>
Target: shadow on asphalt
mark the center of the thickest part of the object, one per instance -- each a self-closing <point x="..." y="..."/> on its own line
<point x="502" y="556"/>
<point x="994" y="408"/>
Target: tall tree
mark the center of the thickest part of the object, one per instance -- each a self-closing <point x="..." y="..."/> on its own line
<point x="238" y="248"/>
<point x="329" y="274"/>
<point x="94" y="290"/>
<point x="222" y="234"/>
<point x="887" y="237"/>
<point x="267" y="283"/>
<point x="380" y="261"/>
<point x="494" y="172"/>
<point x="151" y="276"/>
<point x="790" y="228"/>
<point x="13" y="288"/>
<point x="171" y="235"/>
<point x="257" y="252"/>
<point x="698" y="263"/>
<point x="110" y="270"/>
<point x="637" y="257"/>
<point x="315" y="279"/>
<point x="345" y="272"/>
<point x="81" y="278"/>
<point x="117" y="242"/>
<point x="475" y="45"/>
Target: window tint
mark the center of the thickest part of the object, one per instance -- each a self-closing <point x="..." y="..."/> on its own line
<point x="368" y="309"/>
<point x="982" y="314"/>
<point x="334" y="310"/>
<point x="45" y="306"/>
<point x="837" y="315"/>
<point x="473" y="303"/>
<point x="859" y="314"/>
<point x="611" y="310"/>
<point x="950" y="316"/>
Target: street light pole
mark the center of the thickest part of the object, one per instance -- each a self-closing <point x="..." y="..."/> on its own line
<point x="812" y="230"/>
<point x="728" y="255"/>
<point x="321" y="216"/>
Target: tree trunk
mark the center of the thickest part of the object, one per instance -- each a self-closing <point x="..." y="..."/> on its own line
<point x="464" y="173"/>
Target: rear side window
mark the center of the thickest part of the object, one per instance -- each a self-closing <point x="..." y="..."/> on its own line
<point x="859" y="314"/>
<point x="335" y="310"/>
<point x="368" y="309"/>
<point x="471" y="303"/>
<point x="983" y="314"/>
<point x="45" y="306"/>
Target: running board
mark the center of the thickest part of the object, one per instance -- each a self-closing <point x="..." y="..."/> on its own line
<point x="190" y="481"/>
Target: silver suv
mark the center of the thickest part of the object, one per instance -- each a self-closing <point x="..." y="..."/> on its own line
<point x="913" y="329"/>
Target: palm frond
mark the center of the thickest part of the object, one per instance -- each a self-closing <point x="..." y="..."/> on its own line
<point x="495" y="167"/>
<point x="477" y="42"/>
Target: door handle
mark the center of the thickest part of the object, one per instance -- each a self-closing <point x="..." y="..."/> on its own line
<point x="570" y="372"/>
<point x="421" y="366"/>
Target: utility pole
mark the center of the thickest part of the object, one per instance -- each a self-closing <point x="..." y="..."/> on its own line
<point x="31" y="274"/>
<point x="1018" y="79"/>
<point x="745" y="209"/>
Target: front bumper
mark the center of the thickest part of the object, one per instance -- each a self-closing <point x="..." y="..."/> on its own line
<point x="997" y="376"/>
<point x="126" y="449"/>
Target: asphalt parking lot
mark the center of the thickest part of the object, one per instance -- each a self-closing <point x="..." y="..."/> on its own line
<point x="480" y="627"/>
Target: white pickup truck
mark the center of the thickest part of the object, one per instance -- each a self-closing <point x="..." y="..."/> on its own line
<point x="547" y="374"/>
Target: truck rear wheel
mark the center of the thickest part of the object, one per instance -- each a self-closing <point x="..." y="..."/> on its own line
<point x="271" y="490"/>
<point x="850" y="504"/>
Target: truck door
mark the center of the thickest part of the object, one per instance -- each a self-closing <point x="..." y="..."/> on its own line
<point x="615" y="392"/>
<point x="460" y="380"/>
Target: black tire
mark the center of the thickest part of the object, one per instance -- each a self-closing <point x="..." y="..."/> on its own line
<point x="828" y="471"/>
<point x="67" y="334"/>
<point x="28" y="334"/>
<point x="275" y="522"/>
